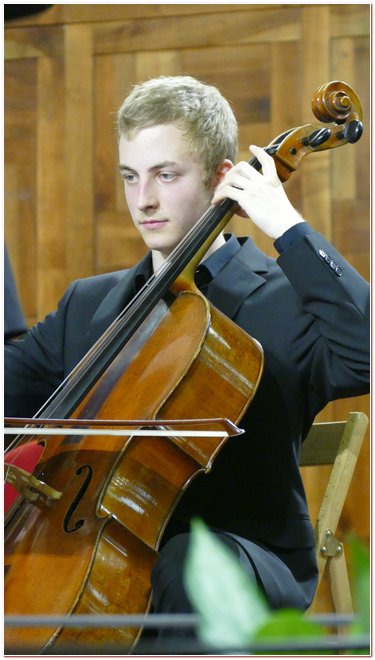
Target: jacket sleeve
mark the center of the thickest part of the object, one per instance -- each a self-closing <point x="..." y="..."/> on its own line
<point x="34" y="364"/>
<point x="333" y="347"/>
<point x="37" y="363"/>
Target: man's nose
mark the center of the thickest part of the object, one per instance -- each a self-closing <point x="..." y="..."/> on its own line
<point x="147" y="198"/>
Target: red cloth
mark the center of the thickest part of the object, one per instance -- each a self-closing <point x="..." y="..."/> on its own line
<point x="25" y="457"/>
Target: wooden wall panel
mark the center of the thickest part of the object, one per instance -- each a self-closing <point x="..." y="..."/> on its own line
<point x="67" y="71"/>
<point x="50" y="167"/>
<point x="79" y="163"/>
<point x="20" y="176"/>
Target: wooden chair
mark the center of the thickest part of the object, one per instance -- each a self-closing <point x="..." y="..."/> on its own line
<point x="337" y="444"/>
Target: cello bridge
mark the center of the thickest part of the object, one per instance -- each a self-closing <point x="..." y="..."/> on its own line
<point x="29" y="486"/>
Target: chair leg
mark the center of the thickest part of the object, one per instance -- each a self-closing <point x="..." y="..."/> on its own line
<point x="339" y="584"/>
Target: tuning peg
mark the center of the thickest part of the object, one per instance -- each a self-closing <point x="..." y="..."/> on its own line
<point x="316" y="138"/>
<point x="352" y="131"/>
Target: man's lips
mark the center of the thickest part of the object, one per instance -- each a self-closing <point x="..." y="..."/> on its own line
<point x="153" y="224"/>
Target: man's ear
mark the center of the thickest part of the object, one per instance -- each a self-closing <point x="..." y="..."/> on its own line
<point x="221" y="171"/>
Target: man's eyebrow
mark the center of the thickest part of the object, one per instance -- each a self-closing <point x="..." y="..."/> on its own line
<point x="158" y="166"/>
<point x="125" y="167"/>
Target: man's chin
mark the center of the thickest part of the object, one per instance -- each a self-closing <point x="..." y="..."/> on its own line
<point x="165" y="248"/>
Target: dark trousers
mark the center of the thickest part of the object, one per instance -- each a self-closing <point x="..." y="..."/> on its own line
<point x="169" y="597"/>
<point x="281" y="586"/>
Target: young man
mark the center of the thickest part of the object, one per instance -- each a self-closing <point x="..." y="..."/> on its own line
<point x="309" y="310"/>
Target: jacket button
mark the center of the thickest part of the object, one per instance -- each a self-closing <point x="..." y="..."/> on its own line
<point x="338" y="271"/>
<point x="322" y="254"/>
<point x="333" y="265"/>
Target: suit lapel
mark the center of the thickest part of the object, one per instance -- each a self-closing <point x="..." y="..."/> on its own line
<point x="112" y="304"/>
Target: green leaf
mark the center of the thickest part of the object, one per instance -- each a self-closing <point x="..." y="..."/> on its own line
<point x="289" y="624"/>
<point x="230" y="606"/>
<point x="360" y="557"/>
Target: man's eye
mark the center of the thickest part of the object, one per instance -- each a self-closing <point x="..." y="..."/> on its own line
<point x="167" y="176"/>
<point x="129" y="178"/>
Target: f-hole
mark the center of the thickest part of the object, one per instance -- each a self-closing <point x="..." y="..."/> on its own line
<point x="76" y="501"/>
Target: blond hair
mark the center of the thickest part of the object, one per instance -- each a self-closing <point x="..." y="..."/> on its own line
<point x="198" y="109"/>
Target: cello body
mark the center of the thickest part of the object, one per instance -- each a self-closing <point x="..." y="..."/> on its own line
<point x="92" y="550"/>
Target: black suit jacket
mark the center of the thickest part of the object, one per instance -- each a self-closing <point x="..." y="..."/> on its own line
<point x="310" y="312"/>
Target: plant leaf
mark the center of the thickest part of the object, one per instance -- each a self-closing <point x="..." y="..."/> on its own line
<point x="286" y="625"/>
<point x="230" y="606"/>
<point x="360" y="557"/>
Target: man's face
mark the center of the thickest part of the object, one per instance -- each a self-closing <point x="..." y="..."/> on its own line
<point x="163" y="184"/>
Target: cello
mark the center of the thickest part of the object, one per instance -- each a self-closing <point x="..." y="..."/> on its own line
<point x="88" y="540"/>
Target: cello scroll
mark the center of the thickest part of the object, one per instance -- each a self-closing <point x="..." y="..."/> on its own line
<point x="335" y="104"/>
